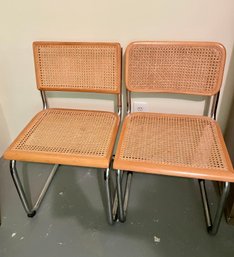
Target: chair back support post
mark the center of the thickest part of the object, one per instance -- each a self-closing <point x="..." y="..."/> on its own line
<point x="119" y="96"/>
<point x="44" y="99"/>
<point x="119" y="104"/>
<point x="129" y="101"/>
<point x="214" y="106"/>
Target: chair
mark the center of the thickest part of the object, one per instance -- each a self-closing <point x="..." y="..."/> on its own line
<point x="189" y="146"/>
<point x="70" y="136"/>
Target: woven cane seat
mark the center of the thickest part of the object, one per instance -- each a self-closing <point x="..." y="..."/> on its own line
<point x="65" y="136"/>
<point x="175" y="145"/>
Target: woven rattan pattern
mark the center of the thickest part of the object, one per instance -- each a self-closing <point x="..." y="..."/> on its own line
<point x="78" y="67"/>
<point x="69" y="132"/>
<point x="183" y="141"/>
<point x="191" y="69"/>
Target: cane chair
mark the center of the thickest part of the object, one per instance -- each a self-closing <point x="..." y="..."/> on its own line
<point x="189" y="146"/>
<point x="70" y="136"/>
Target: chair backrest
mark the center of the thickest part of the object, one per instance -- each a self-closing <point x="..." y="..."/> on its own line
<point x="85" y="67"/>
<point x="175" y="67"/>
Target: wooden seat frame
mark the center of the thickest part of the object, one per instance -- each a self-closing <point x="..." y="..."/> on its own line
<point x="31" y="210"/>
<point x="212" y="226"/>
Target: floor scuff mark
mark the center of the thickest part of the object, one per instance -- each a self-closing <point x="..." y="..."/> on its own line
<point x="13" y="234"/>
<point x="157" y="239"/>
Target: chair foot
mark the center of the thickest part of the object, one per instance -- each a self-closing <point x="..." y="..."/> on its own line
<point x="31" y="211"/>
<point x="212" y="227"/>
<point x="31" y="215"/>
<point x="123" y="197"/>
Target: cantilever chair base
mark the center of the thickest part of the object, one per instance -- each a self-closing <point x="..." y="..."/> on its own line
<point x="212" y="227"/>
<point x="117" y="201"/>
<point x="123" y="197"/>
<point x="31" y="212"/>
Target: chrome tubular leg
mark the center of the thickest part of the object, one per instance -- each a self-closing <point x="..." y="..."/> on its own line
<point x="123" y="198"/>
<point x="46" y="186"/>
<point x="219" y="212"/>
<point x="122" y="217"/>
<point x="108" y="196"/>
<point x="19" y="187"/>
<point x="127" y="190"/>
<point x="20" y="190"/>
<point x="205" y="203"/>
<point x="112" y="206"/>
<point x="212" y="228"/>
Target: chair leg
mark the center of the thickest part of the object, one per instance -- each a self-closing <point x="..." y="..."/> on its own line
<point x="212" y="228"/>
<point x="112" y="204"/>
<point x="123" y="198"/>
<point x="31" y="211"/>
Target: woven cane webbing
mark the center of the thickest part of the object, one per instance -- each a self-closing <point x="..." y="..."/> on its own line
<point x="91" y="67"/>
<point x="175" y="141"/>
<point x="175" y="67"/>
<point x="63" y="136"/>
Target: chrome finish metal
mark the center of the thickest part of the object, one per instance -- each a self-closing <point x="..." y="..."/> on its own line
<point x="44" y="99"/>
<point x="219" y="212"/>
<point x="119" y="104"/>
<point x="128" y="95"/>
<point x="119" y="97"/>
<point x="123" y="198"/>
<point x="212" y="228"/>
<point x="46" y="186"/>
<point x="19" y="188"/>
<point x="122" y="216"/>
<point x="31" y="211"/>
<point x="127" y="190"/>
<point x="205" y="203"/>
<point x="111" y="206"/>
<point x="115" y="206"/>
<point x="214" y="105"/>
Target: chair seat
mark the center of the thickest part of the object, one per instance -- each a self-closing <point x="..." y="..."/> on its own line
<point x="65" y="136"/>
<point x="174" y="145"/>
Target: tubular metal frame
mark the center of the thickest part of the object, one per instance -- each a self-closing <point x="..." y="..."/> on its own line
<point x="112" y="203"/>
<point x="31" y="211"/>
<point x="116" y="210"/>
<point x="44" y="100"/>
<point x="212" y="227"/>
<point x="123" y="197"/>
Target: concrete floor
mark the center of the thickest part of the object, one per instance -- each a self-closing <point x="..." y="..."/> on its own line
<point x="165" y="218"/>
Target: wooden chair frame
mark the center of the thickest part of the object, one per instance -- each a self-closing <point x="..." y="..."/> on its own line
<point x="31" y="210"/>
<point x="212" y="226"/>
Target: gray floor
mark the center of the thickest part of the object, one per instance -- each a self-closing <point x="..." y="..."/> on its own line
<point x="165" y="218"/>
